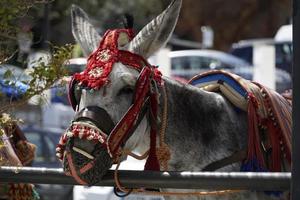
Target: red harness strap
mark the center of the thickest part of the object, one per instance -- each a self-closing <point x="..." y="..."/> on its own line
<point x="121" y="130"/>
<point x="96" y="75"/>
<point x="101" y="61"/>
<point x="73" y="171"/>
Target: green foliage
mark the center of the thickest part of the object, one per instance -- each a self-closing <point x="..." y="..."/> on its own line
<point x="8" y="74"/>
<point x="44" y="76"/>
<point x="10" y="11"/>
<point x="41" y="77"/>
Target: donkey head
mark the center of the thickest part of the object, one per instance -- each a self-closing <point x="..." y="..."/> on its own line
<point x="104" y="93"/>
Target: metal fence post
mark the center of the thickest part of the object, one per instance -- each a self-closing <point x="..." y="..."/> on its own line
<point x="295" y="190"/>
<point x="148" y="179"/>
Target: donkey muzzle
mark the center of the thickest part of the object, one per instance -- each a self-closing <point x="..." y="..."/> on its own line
<point x="82" y="148"/>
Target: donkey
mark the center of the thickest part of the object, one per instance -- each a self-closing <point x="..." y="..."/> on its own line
<point x="200" y="127"/>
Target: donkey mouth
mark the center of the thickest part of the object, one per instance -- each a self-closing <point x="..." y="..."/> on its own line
<point x="84" y="154"/>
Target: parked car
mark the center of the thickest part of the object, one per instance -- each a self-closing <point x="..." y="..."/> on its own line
<point x="283" y="51"/>
<point x="46" y="141"/>
<point x="75" y="65"/>
<point x="188" y="63"/>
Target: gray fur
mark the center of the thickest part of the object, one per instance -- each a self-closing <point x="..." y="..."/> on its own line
<point x="156" y="34"/>
<point x="83" y="31"/>
<point x="202" y="127"/>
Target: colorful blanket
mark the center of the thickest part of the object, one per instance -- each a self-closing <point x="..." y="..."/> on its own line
<point x="269" y="118"/>
<point x="15" y="150"/>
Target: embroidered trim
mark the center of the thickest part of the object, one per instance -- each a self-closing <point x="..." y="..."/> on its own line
<point x="81" y="130"/>
<point x="95" y="76"/>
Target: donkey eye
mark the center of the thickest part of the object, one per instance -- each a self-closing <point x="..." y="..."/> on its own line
<point x="125" y="91"/>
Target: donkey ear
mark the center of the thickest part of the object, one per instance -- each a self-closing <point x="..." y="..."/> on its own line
<point x="156" y="34"/>
<point x="83" y="31"/>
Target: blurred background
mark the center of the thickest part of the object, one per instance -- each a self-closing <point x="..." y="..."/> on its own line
<point x="231" y="20"/>
<point x="251" y="38"/>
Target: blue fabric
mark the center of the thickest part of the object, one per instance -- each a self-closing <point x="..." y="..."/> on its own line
<point x="222" y="77"/>
<point x="15" y="91"/>
<point x="251" y="165"/>
<point x="254" y="166"/>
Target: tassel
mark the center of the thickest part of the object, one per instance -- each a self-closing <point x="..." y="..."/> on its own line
<point x="276" y="156"/>
<point x="152" y="161"/>
<point x="164" y="155"/>
<point x="255" y="160"/>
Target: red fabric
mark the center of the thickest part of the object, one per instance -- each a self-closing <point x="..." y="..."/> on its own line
<point x="101" y="61"/>
<point x="152" y="161"/>
<point x="73" y="170"/>
<point x="269" y="123"/>
<point x="96" y="75"/>
<point x="82" y="132"/>
<point x="279" y="126"/>
<point x="121" y="130"/>
<point x="254" y="149"/>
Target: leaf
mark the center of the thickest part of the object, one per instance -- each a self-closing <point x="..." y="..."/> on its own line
<point x="8" y="74"/>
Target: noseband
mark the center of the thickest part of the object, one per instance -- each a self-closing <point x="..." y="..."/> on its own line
<point x="93" y="123"/>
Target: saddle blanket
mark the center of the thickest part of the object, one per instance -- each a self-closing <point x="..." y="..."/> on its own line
<point x="269" y="118"/>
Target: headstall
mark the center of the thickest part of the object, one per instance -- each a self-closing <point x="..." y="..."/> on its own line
<point x="95" y="76"/>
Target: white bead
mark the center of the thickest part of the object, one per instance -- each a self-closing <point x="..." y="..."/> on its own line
<point x="101" y="139"/>
<point x="70" y="134"/>
<point x="90" y="137"/>
<point x="81" y="133"/>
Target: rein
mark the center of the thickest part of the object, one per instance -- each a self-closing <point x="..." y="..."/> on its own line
<point x="164" y="155"/>
<point x="143" y="191"/>
<point x="112" y="136"/>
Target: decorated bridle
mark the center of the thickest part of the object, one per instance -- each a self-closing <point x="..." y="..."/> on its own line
<point x="96" y="75"/>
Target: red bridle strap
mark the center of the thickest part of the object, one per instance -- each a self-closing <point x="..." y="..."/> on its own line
<point x="96" y="75"/>
<point x="118" y="135"/>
